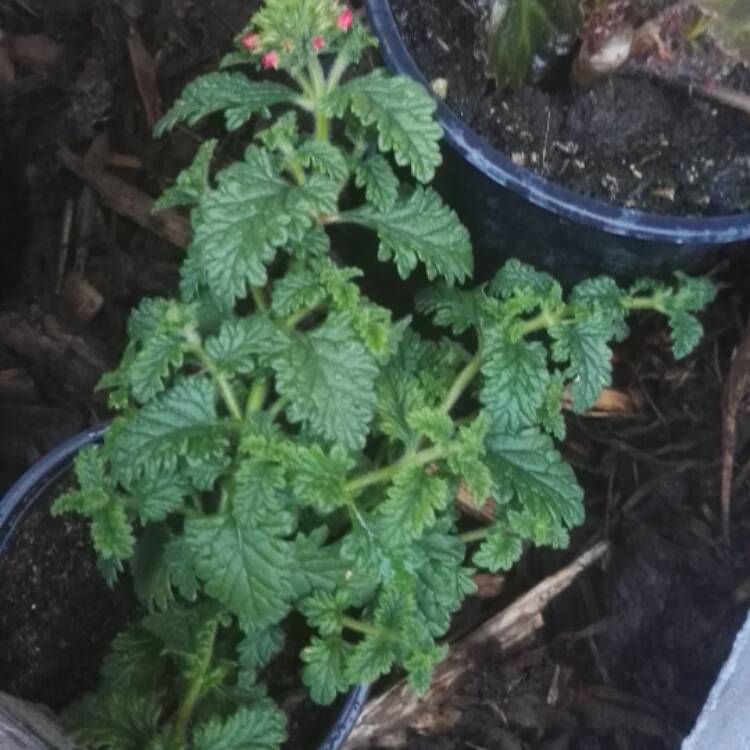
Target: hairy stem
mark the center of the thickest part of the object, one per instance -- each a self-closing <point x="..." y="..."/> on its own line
<point x="476" y="535"/>
<point x="385" y="473"/>
<point x="256" y="396"/>
<point x="358" y="626"/>
<point x="259" y="297"/>
<point x="461" y="383"/>
<point x="193" y="695"/>
<point x="318" y="78"/>
<point x="224" y="386"/>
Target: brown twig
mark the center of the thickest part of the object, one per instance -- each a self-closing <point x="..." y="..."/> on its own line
<point x="735" y="389"/>
<point x="128" y="201"/>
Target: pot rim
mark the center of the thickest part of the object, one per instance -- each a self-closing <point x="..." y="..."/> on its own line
<point x="16" y="503"/>
<point x="539" y="190"/>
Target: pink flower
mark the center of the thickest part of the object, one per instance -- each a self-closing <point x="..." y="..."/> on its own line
<point x="318" y="42"/>
<point x="344" y="19"/>
<point x="249" y="41"/>
<point x="270" y="60"/>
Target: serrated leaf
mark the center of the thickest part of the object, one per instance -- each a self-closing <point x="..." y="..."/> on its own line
<point x="192" y="183"/>
<point x="324" y="157"/>
<point x="686" y="333"/>
<point x="183" y="421"/>
<point x="528" y="470"/>
<point x="133" y="662"/>
<point x="434" y="424"/>
<point x="324" y="671"/>
<point x="152" y="584"/>
<point x="232" y="93"/>
<point x="242" y="567"/>
<point x="379" y="180"/>
<point x="254" y="728"/>
<point x="297" y="290"/>
<point x="240" y="225"/>
<point x="260" y="498"/>
<point x="329" y="378"/>
<point x="420" y="228"/>
<point x="325" y="611"/>
<point x="584" y="346"/>
<point x="420" y="664"/>
<point x="499" y="550"/>
<point x="259" y="646"/>
<point x="412" y="501"/>
<point x="602" y="296"/>
<point x="112" y="533"/>
<point x="402" y="111"/>
<point x="524" y="37"/>
<point x="161" y="353"/>
<point x="515" y="375"/>
<point x="466" y="459"/>
<point x="399" y="394"/>
<point x="457" y="309"/>
<point x="126" y="720"/>
<point x="320" y="478"/>
<point x="237" y="344"/>
<point x="370" y="659"/>
<point x="517" y="278"/>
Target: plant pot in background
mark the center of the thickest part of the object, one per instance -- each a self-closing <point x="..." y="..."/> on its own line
<point x="512" y="212"/>
<point x="25" y="495"/>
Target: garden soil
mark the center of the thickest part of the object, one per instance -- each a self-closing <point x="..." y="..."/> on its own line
<point x="628" y="654"/>
<point x="631" y="140"/>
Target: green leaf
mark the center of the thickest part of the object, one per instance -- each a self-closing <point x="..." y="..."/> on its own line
<point x="259" y="646"/>
<point x="434" y="424"/>
<point x="325" y="611"/>
<point x="584" y="345"/>
<point x="466" y="459"/>
<point x="324" y="671"/>
<point x="456" y="309"/>
<point x="412" y="501"/>
<point x="420" y="665"/>
<point x="319" y="478"/>
<point x="260" y="496"/>
<point x="379" y="180"/>
<point x="527" y="470"/>
<point x="686" y="333"/>
<point x="604" y="298"/>
<point x="192" y="182"/>
<point x="420" y="228"/>
<point x="249" y="728"/>
<point x="232" y="93"/>
<point x="324" y="157"/>
<point x="297" y="290"/>
<point x="161" y="353"/>
<point x="399" y="394"/>
<point x="133" y="662"/>
<point x="242" y="567"/>
<point x="517" y="279"/>
<point x="181" y="422"/>
<point x="499" y="551"/>
<point x="403" y="113"/>
<point x="112" y="533"/>
<point x="329" y="379"/>
<point x="234" y="348"/>
<point x="370" y="659"/>
<point x="155" y="497"/>
<point x="239" y="225"/>
<point x="525" y="37"/>
<point x="515" y="375"/>
<point x="122" y="720"/>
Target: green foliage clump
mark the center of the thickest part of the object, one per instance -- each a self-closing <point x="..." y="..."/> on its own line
<point x="284" y="445"/>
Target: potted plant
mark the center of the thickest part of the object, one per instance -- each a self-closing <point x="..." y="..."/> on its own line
<point x="584" y="218"/>
<point x="283" y="448"/>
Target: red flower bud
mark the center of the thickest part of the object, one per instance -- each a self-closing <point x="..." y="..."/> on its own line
<point x="318" y="42"/>
<point x="344" y="19"/>
<point x="249" y="41"/>
<point x="270" y="60"/>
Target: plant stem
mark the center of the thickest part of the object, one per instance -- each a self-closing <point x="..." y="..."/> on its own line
<point x="193" y="695"/>
<point x="476" y="535"/>
<point x="340" y="64"/>
<point x="539" y="322"/>
<point x="461" y="383"/>
<point x="256" y="396"/>
<point x="219" y="379"/>
<point x="383" y="474"/>
<point x="278" y="406"/>
<point x="358" y="626"/>
<point x="293" y="320"/>
<point x="644" y="303"/>
<point x="318" y="78"/>
<point x="259" y="297"/>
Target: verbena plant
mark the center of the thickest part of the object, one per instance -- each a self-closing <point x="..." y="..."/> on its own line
<point x="696" y="43"/>
<point x="284" y="446"/>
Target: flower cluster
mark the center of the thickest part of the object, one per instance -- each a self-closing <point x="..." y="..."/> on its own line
<point x="327" y="25"/>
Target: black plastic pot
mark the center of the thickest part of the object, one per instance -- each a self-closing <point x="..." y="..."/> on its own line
<point x="22" y="497"/>
<point x="512" y="212"/>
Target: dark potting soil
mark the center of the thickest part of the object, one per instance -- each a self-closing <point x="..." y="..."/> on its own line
<point x="630" y="141"/>
<point x="57" y="616"/>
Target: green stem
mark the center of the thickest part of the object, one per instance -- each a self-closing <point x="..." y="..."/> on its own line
<point x="278" y="406"/>
<point x="224" y="386"/>
<point x="477" y="535"/>
<point x="340" y="64"/>
<point x="318" y="78"/>
<point x="461" y="383"/>
<point x="259" y="297"/>
<point x="539" y="322"/>
<point x="193" y="695"/>
<point x="383" y="474"/>
<point x="256" y="396"/>
<point x="294" y="320"/>
<point x="644" y="303"/>
<point x="358" y="626"/>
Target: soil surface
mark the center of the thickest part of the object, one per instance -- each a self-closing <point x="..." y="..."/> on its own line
<point x="628" y="654"/>
<point x="57" y="616"/>
<point x="630" y="141"/>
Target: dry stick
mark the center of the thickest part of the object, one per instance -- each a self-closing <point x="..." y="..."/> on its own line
<point x="128" y="201"/>
<point x="26" y="726"/>
<point x="736" y="387"/>
<point x="398" y="706"/>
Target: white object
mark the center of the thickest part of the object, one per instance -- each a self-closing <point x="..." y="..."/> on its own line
<point x="724" y="723"/>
